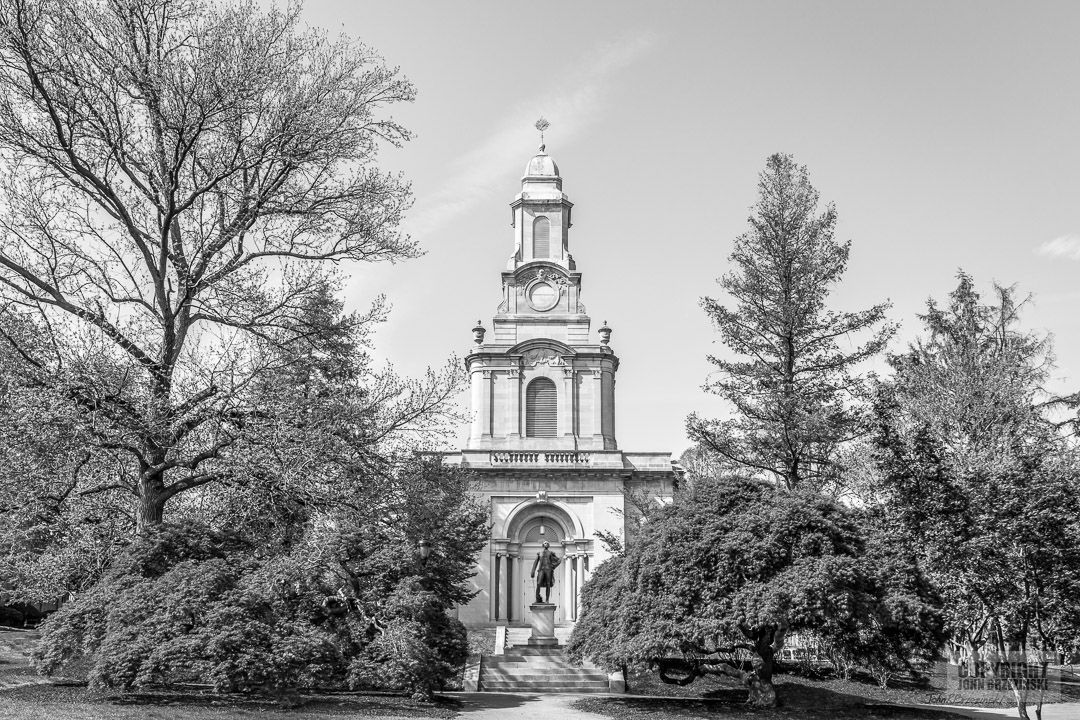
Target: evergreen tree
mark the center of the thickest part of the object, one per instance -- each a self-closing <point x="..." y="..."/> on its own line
<point x="790" y="382"/>
<point x="983" y="484"/>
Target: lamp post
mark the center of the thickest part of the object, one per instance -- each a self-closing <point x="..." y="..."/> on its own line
<point x="423" y="553"/>
<point x="424" y="550"/>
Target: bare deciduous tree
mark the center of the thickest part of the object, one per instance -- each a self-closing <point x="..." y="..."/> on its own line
<point x="176" y="177"/>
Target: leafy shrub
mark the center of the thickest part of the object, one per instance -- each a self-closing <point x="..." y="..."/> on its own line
<point x="717" y="580"/>
<point x="190" y="605"/>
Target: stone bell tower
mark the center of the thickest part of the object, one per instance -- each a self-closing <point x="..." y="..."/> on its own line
<point x="539" y="383"/>
<point x="542" y="440"/>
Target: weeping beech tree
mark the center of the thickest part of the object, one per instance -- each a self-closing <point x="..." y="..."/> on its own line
<point x="175" y="178"/>
<point x="717" y="580"/>
<point x="791" y="377"/>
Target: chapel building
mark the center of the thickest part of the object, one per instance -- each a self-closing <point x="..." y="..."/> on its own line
<point x="542" y="441"/>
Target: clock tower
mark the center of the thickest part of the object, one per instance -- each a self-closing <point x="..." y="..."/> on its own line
<point x="542" y="440"/>
<point x="541" y="382"/>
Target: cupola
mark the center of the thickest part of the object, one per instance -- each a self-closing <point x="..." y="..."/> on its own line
<point x="542" y="167"/>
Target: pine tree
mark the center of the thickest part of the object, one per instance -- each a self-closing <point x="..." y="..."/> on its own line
<point x="983" y="483"/>
<point x="789" y="381"/>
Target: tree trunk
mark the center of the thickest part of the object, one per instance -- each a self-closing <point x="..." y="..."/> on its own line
<point x="759" y="682"/>
<point x="1042" y="688"/>
<point x="762" y="693"/>
<point x="151" y="504"/>
<point x="1020" y="691"/>
<point x="1015" y="668"/>
<point x="973" y="658"/>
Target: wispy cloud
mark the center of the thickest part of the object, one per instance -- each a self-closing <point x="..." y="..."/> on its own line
<point x="478" y="172"/>
<point x="1066" y="246"/>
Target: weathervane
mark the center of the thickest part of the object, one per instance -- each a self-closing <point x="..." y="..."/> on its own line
<point x="542" y="125"/>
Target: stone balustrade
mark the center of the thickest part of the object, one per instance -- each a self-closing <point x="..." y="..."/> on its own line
<point x="529" y="457"/>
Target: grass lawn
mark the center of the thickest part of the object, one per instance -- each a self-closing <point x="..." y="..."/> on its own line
<point x="22" y="701"/>
<point x="799" y="697"/>
<point x="24" y="696"/>
<point x="681" y="709"/>
<point x="50" y="702"/>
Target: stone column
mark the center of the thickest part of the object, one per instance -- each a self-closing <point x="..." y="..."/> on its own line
<point x="498" y="558"/>
<point x="509" y="588"/>
<point x="521" y="575"/>
<point x="574" y="588"/>
<point x="568" y="584"/>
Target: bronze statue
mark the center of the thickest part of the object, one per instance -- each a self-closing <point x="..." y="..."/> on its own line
<point x="546" y="561"/>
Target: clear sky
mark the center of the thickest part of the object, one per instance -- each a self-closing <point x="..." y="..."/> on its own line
<point x="947" y="135"/>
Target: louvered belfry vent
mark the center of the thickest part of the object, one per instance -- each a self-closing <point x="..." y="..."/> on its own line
<point x="541" y="402"/>
<point x="541" y="235"/>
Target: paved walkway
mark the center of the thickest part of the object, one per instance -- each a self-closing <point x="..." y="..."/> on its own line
<point x="1050" y="711"/>
<point x="527" y="706"/>
<point x="521" y="706"/>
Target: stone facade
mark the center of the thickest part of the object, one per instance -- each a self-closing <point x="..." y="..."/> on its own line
<point x="542" y="440"/>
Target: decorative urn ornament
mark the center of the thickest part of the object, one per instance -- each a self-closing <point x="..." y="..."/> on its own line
<point x="605" y="334"/>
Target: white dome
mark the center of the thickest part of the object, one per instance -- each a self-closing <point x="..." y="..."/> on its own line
<point x="542" y="166"/>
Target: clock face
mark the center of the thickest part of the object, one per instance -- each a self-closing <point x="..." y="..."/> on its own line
<point x="543" y="296"/>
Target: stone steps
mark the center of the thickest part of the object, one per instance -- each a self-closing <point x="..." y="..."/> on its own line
<point x="537" y="667"/>
<point x="526" y="668"/>
<point x="540" y="651"/>
<point x="545" y="687"/>
<point x="520" y="662"/>
<point x="585" y="675"/>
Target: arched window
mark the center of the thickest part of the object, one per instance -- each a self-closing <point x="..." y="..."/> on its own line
<point x="541" y="235"/>
<point x="541" y="403"/>
<point x="542" y="529"/>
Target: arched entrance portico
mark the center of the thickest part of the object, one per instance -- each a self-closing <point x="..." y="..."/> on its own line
<point x="527" y="527"/>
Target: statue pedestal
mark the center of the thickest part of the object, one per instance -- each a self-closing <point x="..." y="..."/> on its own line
<point x="543" y="625"/>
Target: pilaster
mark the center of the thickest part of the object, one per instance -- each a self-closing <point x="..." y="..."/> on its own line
<point x="568" y="407"/>
<point x="514" y="390"/>
<point x="485" y="403"/>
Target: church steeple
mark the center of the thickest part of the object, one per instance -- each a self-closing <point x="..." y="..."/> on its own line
<point x="542" y="398"/>
<point x="540" y="381"/>
<point x="541" y="215"/>
<point x="541" y="288"/>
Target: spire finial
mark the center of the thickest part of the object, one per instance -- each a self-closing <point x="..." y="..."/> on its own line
<point x="542" y="125"/>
